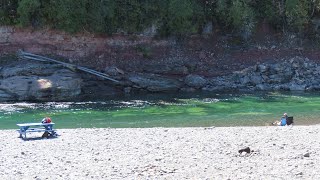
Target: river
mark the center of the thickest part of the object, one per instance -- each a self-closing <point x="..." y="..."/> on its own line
<point x="175" y="110"/>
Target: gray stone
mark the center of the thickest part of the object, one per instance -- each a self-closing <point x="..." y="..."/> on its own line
<point x="188" y="89"/>
<point x="113" y="71"/>
<point x="263" y="87"/>
<point x="154" y="83"/>
<point x="62" y="85"/>
<point x="208" y="28"/>
<point x="297" y="87"/>
<point x="256" y="79"/>
<point x="179" y="70"/>
<point x="127" y="90"/>
<point x="276" y="79"/>
<point x="277" y="68"/>
<point x="262" y="68"/>
<point x="306" y="155"/>
<point x="245" y="80"/>
<point x="6" y="96"/>
<point x="156" y="68"/>
<point x="195" y="81"/>
<point x="302" y="75"/>
<point x="313" y="88"/>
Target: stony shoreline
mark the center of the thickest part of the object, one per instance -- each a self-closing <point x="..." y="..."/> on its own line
<point x="30" y="81"/>
<point x="164" y="153"/>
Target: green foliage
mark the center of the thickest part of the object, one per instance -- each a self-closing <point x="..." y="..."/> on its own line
<point x="180" y="17"/>
<point x="101" y="15"/>
<point x="240" y="14"/>
<point x="171" y="17"/>
<point x="297" y="13"/>
<point x="128" y="15"/>
<point x="271" y="12"/>
<point x="221" y="10"/>
<point x="242" y="18"/>
<point x="3" y="18"/>
<point x="28" y="11"/>
<point x="69" y="15"/>
<point x="268" y="10"/>
<point x="8" y="12"/>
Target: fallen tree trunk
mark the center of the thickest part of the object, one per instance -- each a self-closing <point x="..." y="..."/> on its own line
<point x="30" y="56"/>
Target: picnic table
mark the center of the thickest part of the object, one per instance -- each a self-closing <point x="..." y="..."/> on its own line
<point x="47" y="128"/>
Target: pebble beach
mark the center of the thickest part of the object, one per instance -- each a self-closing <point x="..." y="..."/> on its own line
<point x="290" y="152"/>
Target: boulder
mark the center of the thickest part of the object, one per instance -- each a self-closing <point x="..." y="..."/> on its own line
<point x="66" y="84"/>
<point x="154" y="83"/>
<point x="256" y="79"/>
<point x="170" y="68"/>
<point x="17" y="85"/>
<point x="113" y="71"/>
<point x="245" y="80"/>
<point x="262" y="68"/>
<point x="297" y="87"/>
<point x="195" y="81"/>
<point x="156" y="68"/>
<point x="208" y="28"/>
<point x="188" y="89"/>
<point x="62" y="85"/>
<point x="179" y="70"/>
<point x="263" y="87"/>
<point x="296" y="74"/>
<point x="6" y="96"/>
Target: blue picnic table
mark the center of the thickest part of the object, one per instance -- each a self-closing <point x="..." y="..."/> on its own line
<point x="47" y="128"/>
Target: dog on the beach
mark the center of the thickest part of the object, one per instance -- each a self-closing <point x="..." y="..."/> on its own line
<point x="247" y="150"/>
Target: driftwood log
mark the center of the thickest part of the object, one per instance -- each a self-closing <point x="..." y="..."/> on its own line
<point x="30" y="56"/>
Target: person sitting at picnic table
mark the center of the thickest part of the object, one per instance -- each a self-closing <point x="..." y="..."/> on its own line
<point x="46" y="120"/>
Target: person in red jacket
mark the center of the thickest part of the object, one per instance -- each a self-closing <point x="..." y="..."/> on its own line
<point x="46" y="134"/>
<point x="46" y="120"/>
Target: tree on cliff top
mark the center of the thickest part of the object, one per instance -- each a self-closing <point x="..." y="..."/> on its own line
<point x="172" y="17"/>
<point x="8" y="11"/>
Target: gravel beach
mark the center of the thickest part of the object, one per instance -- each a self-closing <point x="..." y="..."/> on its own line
<point x="291" y="152"/>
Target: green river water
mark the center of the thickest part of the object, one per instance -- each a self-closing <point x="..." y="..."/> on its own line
<point x="175" y="110"/>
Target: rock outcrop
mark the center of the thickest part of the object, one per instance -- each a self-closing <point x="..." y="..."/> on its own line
<point x="154" y="83"/>
<point x="296" y="74"/>
<point x="195" y="81"/>
<point x="33" y="81"/>
<point x="38" y="82"/>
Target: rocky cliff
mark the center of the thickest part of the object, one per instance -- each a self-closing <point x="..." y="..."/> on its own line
<point x="36" y="81"/>
<point x="33" y="81"/>
<point x="148" y="65"/>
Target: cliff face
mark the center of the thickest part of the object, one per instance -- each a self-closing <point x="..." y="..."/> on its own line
<point x="147" y="64"/>
<point x="209" y="56"/>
